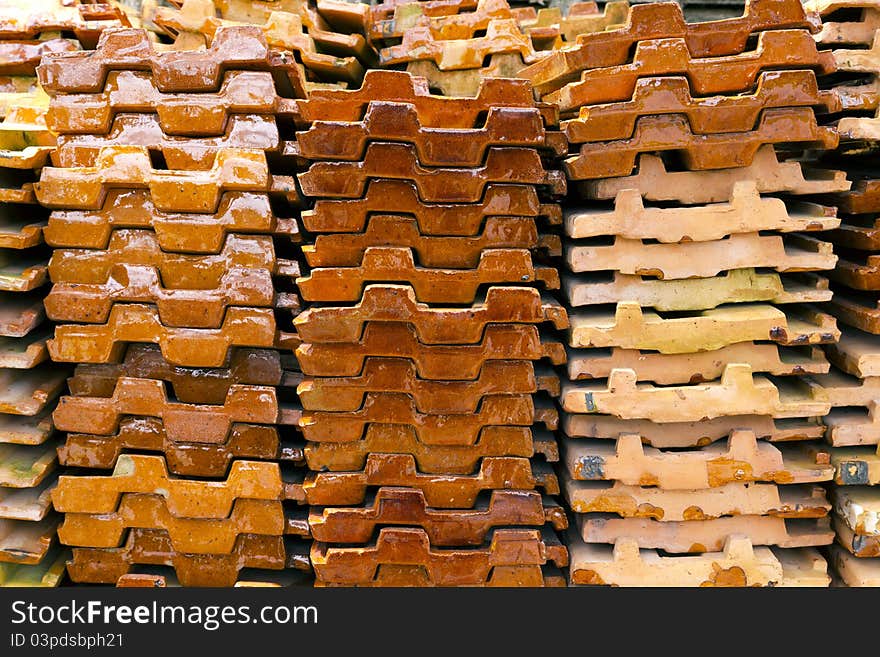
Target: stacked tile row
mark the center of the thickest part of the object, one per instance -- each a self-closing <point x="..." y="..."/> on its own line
<point x="297" y="28"/>
<point x="850" y="35"/>
<point x="691" y="283"/>
<point x="163" y="225"/>
<point x="457" y="45"/>
<point x="29" y="384"/>
<point x="426" y="346"/>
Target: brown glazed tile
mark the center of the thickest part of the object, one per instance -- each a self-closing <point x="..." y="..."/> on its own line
<point x="22" y="56"/>
<point x="452" y="185"/>
<point x="738" y="392"/>
<point x="666" y="20"/>
<point x="442" y="429"/>
<point x="397" y="303"/>
<point x="691" y="434"/>
<point x="705" y="115"/>
<point x="792" y="253"/>
<point x="716" y="186"/>
<point x="439" y="362"/>
<point x="453" y="147"/>
<point x="432" y="110"/>
<point x="233" y="48"/>
<point x="155" y="547"/>
<point x="456" y="457"/>
<point x="750" y="499"/>
<point x="25" y="352"/>
<point x="442" y="491"/>
<point x="670" y="369"/>
<point x="404" y="506"/>
<point x="28" y="504"/>
<point x="630" y="327"/>
<point x="353" y="566"/>
<point x="20" y="314"/>
<point x="198" y="459"/>
<point x="196" y="308"/>
<point x="237" y="212"/>
<point x="86" y="188"/>
<point x="261" y="367"/>
<point x="492" y="441"/>
<point x="25" y="466"/>
<point x="863" y="198"/>
<point x="501" y="36"/>
<point x="28" y="392"/>
<point x="746" y="211"/>
<point x="142" y="580"/>
<point x="391" y="575"/>
<point x="347" y="249"/>
<point x="742" y="459"/>
<point x="447" y="219"/>
<point x="183" y="422"/>
<point x="106" y="343"/>
<point x="398" y="375"/>
<point x="795" y="126"/>
<point x="199" y="535"/>
<point x="252" y="131"/>
<point x="861" y="233"/>
<point x="140" y="248"/>
<point x="397" y="265"/>
<point x="84" y="20"/>
<point x="195" y="115"/>
<point x="862" y="274"/>
<point x="182" y="498"/>
<point x="706" y="75"/>
<point x="26" y="542"/>
<point x="856" y="310"/>
<point x="707" y="535"/>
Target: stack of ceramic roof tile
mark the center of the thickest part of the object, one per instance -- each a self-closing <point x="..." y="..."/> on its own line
<point x="693" y="299"/>
<point x="454" y="47"/>
<point x="850" y="34"/>
<point x="552" y="27"/>
<point x="163" y="270"/>
<point x="292" y="26"/>
<point x="29" y="384"/>
<point x="425" y="389"/>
